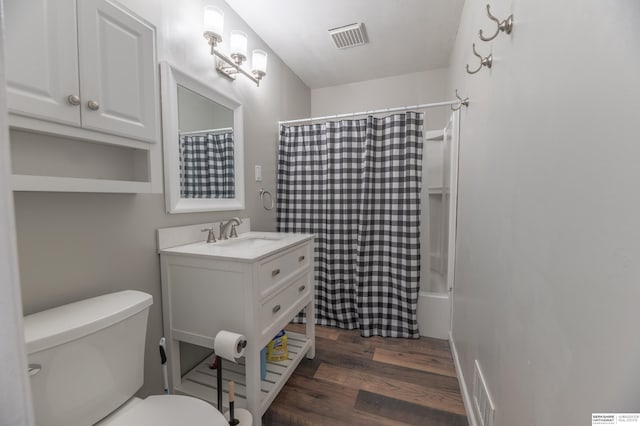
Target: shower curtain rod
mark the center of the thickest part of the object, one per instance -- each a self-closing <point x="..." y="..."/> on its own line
<point x="195" y="132"/>
<point x="377" y="111"/>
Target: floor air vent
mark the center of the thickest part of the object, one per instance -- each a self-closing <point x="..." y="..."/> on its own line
<point x="348" y="36"/>
<point x="481" y="397"/>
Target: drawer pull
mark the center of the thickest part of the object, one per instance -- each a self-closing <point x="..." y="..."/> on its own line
<point x="276" y="309"/>
<point x="301" y="258"/>
<point x="275" y="272"/>
<point x="301" y="288"/>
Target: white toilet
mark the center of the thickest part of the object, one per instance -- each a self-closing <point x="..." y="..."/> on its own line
<point x="86" y="362"/>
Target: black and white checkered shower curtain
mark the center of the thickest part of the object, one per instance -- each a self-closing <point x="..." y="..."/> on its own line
<point x="207" y="166"/>
<point x="356" y="185"/>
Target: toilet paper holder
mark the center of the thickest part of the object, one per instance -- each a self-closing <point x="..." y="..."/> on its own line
<point x="232" y="346"/>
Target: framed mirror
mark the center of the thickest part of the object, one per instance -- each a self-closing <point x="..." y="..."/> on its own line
<point x="203" y="145"/>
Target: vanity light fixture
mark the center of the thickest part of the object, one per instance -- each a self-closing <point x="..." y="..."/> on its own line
<point x="231" y="65"/>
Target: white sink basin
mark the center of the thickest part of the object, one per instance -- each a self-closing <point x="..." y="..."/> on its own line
<point x="251" y="241"/>
<point x="247" y="247"/>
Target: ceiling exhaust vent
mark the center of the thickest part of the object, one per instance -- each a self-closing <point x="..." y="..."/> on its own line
<point x="348" y="36"/>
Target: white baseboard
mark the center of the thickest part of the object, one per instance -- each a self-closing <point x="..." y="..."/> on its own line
<point x="466" y="396"/>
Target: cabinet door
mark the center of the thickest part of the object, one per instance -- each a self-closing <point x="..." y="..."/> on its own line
<point x="118" y="73"/>
<point x="42" y="59"/>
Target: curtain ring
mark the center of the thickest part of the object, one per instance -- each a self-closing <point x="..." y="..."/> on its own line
<point x="271" y="204"/>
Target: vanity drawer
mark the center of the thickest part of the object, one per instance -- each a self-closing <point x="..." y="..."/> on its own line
<point x="275" y="271"/>
<point x="280" y="305"/>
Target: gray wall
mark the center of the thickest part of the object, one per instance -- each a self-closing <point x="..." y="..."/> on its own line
<point x="548" y="260"/>
<point x="74" y="245"/>
<point x="407" y="89"/>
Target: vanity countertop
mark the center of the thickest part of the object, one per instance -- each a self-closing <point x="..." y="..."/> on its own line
<point x="248" y="247"/>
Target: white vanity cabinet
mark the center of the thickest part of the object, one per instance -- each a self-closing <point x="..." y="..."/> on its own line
<point x="84" y="63"/>
<point x="252" y="291"/>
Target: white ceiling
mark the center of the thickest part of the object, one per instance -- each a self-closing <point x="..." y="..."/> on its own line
<point x="404" y="36"/>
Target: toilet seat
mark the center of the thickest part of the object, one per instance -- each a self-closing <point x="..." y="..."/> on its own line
<point x="167" y="410"/>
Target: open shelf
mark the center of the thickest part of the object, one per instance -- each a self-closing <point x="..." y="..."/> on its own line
<point x="200" y="381"/>
<point x="68" y="184"/>
<point x="434" y="135"/>
<point x="438" y="190"/>
<point x="43" y="162"/>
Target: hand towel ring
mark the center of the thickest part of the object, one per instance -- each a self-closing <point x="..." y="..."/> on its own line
<point x="263" y="193"/>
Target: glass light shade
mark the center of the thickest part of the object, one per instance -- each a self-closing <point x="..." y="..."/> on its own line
<point x="213" y="19"/>
<point x="259" y="61"/>
<point x="238" y="43"/>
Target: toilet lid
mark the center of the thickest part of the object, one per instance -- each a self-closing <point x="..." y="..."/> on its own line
<point x="169" y="410"/>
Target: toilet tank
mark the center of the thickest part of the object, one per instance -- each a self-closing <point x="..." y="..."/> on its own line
<point x="86" y="358"/>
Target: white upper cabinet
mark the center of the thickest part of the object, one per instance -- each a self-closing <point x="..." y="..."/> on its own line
<point x="42" y="59"/>
<point x="83" y="97"/>
<point x="116" y="64"/>
<point x="85" y="63"/>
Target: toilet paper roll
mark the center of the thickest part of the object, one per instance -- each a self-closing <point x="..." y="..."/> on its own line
<point x="229" y="345"/>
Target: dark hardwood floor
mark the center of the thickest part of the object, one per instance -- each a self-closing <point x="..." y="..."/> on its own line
<point x="357" y="380"/>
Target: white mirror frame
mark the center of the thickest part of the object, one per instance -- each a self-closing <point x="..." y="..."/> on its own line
<point x="171" y="78"/>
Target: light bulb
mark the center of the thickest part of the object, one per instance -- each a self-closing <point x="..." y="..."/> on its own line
<point x="259" y="63"/>
<point x="213" y="20"/>
<point x="238" y="46"/>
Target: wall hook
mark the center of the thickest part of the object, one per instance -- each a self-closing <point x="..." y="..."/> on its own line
<point x="484" y="62"/>
<point x="506" y="26"/>
<point x="270" y="203"/>
<point x="464" y="102"/>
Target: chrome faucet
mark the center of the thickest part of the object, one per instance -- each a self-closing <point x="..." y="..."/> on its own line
<point x="224" y="228"/>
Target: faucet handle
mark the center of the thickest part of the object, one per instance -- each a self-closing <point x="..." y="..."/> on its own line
<point x="234" y="233"/>
<point x="211" y="237"/>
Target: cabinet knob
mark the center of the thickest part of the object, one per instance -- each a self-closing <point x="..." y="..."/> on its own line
<point x="93" y="105"/>
<point x="275" y="272"/>
<point x="300" y="259"/>
<point x="302" y="288"/>
<point x="34" y="369"/>
<point x="276" y="309"/>
<point x="73" y="100"/>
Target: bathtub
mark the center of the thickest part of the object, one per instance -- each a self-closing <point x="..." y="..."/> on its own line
<point x="434" y="311"/>
<point x="434" y="307"/>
